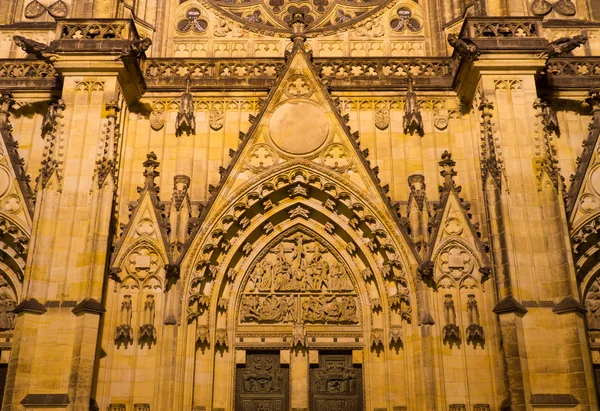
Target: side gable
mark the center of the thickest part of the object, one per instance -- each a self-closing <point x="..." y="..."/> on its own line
<point x="146" y="223"/>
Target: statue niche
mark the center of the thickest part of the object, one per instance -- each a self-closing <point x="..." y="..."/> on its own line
<point x="299" y="281"/>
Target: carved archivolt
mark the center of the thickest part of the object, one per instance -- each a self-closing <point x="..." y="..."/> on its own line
<point x="241" y="225"/>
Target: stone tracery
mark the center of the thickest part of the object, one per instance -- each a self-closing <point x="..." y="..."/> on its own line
<point x="275" y="16"/>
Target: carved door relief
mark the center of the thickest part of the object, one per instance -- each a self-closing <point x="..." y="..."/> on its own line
<point x="336" y="384"/>
<point x="262" y="384"/>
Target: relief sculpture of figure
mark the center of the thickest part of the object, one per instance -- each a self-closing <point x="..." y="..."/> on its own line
<point x="6" y="314"/>
<point x="268" y="309"/>
<point x="592" y="303"/>
<point x="298" y="270"/>
<point x="339" y="279"/>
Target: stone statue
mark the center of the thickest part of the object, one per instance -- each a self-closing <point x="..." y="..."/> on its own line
<point x="412" y="114"/>
<point x="147" y="330"/>
<point x="474" y="329"/>
<point x="472" y="310"/>
<point x="186" y="120"/>
<point x="464" y="47"/>
<point x="149" y="307"/>
<point x="450" y="332"/>
<point x="124" y="333"/>
<point x="449" y="311"/>
<point x="563" y="45"/>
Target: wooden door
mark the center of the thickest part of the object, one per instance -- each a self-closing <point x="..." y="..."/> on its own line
<point x="336" y="384"/>
<point x="262" y="383"/>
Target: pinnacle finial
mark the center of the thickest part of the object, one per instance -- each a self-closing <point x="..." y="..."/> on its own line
<point x="150" y="172"/>
<point x="447" y="172"/>
<point x="593" y="98"/>
<point x="298" y="25"/>
<point x="6" y="103"/>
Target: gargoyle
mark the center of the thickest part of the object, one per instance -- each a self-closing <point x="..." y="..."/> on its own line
<point x="563" y="45"/>
<point x="40" y="50"/>
<point x="464" y="47"/>
<point x="136" y="47"/>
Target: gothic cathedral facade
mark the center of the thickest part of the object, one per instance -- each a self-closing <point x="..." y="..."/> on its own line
<point x="379" y="205"/>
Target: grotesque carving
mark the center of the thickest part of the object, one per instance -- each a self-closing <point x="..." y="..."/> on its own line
<point x="40" y="50"/>
<point x="186" y="120"/>
<point x="464" y="47"/>
<point x="563" y="45"/>
<point x="299" y="281"/>
<point x="412" y="113"/>
<point x="136" y="47"/>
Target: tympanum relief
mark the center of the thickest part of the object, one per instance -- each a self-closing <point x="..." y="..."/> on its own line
<point x="299" y="281"/>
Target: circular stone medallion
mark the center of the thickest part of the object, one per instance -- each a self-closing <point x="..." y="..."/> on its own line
<point x="298" y="128"/>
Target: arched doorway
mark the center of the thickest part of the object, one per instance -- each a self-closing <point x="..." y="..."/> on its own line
<point x="299" y="317"/>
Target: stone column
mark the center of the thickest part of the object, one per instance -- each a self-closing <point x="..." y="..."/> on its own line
<point x="65" y="273"/>
<point x="299" y="380"/>
<point x="527" y="240"/>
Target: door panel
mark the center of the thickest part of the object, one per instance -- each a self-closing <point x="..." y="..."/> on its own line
<point x="262" y="384"/>
<point x="336" y="384"/>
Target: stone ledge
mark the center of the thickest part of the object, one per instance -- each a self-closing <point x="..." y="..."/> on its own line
<point x="31" y="305"/>
<point x="509" y="305"/>
<point x="45" y="400"/>
<point x="569" y="305"/>
<point x="553" y="400"/>
<point x="89" y="305"/>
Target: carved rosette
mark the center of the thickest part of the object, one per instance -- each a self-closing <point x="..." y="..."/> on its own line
<point x="261" y="156"/>
<point x="336" y="157"/>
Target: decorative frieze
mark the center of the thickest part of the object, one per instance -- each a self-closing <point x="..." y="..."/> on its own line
<point x="29" y="69"/>
<point x="88" y="29"/>
<point x="503" y="27"/>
